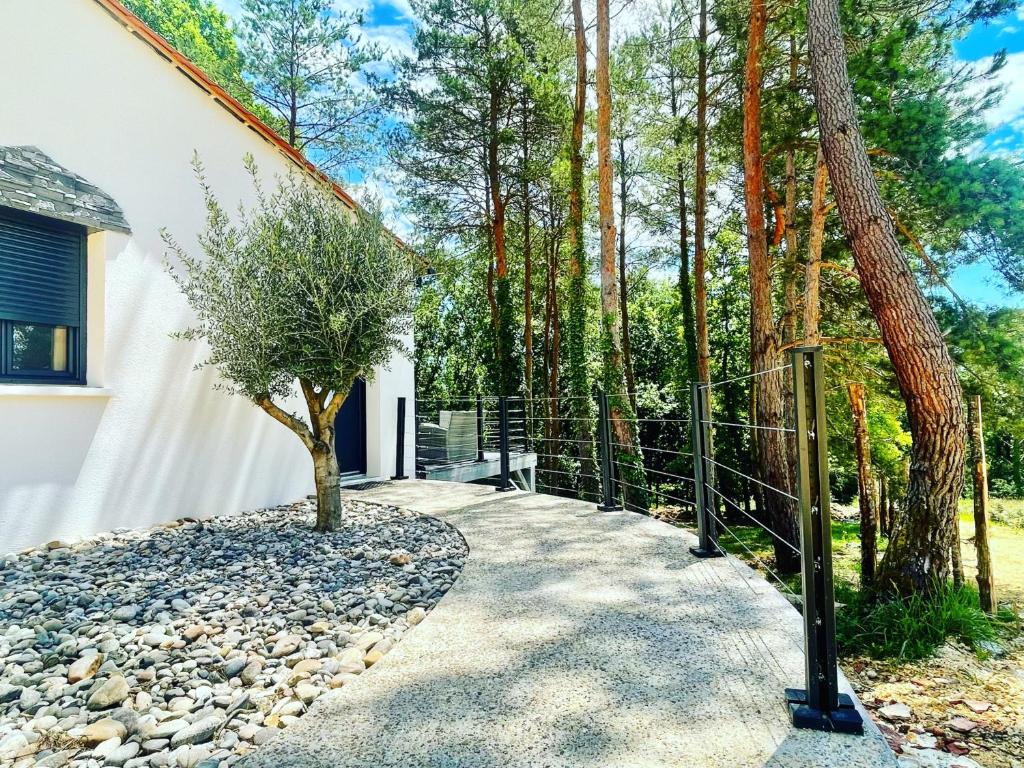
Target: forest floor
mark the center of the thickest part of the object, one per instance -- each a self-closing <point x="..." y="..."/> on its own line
<point x="956" y="708"/>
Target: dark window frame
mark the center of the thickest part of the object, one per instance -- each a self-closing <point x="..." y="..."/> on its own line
<point x="76" y="373"/>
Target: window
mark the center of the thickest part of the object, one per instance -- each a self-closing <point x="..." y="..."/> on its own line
<point x="42" y="300"/>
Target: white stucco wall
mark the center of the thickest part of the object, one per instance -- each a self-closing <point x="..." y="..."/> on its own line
<point x="149" y="439"/>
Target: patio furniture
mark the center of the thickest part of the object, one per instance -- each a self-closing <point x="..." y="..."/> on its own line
<point x="452" y="439"/>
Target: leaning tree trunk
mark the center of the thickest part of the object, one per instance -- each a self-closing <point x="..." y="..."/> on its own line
<point x="772" y="453"/>
<point x="918" y="555"/>
<point x="621" y="411"/>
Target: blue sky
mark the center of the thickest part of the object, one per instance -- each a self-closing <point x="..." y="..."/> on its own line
<point x="977" y="282"/>
<point x="389" y="24"/>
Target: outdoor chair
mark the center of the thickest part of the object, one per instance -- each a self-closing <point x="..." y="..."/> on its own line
<point x="452" y="439"/>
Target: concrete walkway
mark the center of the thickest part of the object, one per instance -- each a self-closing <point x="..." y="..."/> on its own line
<point x="575" y="638"/>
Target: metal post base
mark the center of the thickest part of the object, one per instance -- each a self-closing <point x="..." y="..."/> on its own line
<point x="609" y="507"/>
<point x="399" y="477"/>
<point x="701" y="552"/>
<point x="845" y="719"/>
<point x="502" y="488"/>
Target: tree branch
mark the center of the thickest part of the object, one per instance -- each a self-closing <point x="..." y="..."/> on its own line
<point x="295" y="424"/>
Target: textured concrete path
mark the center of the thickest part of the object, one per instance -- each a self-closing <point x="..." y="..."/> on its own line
<point x="575" y="638"/>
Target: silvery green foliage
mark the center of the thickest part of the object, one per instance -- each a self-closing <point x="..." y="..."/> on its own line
<point x="295" y="287"/>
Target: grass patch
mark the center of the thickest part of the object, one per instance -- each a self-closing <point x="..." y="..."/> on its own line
<point x="1008" y="512"/>
<point x="913" y="628"/>
<point x="910" y="628"/>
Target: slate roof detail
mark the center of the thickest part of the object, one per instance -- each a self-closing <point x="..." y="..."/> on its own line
<point x="30" y="180"/>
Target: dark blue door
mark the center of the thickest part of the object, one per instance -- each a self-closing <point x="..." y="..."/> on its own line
<point x="350" y="431"/>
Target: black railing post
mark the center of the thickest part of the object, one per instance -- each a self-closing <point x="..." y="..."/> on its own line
<point x="400" y="443"/>
<point x="420" y="473"/>
<point x="707" y="531"/>
<point x="504" y="483"/>
<point x="604" y="430"/>
<point x="479" y="428"/>
<point x="820" y="705"/>
<point x="526" y="430"/>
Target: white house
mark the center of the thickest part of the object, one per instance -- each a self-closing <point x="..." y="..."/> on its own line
<point x="104" y="422"/>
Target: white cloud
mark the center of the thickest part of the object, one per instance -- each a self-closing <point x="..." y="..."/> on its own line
<point x="1011" y="107"/>
<point x="403" y="8"/>
<point x="394" y="39"/>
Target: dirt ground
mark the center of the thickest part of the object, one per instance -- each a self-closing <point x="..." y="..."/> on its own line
<point x="957" y="702"/>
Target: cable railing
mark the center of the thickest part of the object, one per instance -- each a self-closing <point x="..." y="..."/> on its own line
<point x="819" y="704"/>
<point x="662" y="460"/>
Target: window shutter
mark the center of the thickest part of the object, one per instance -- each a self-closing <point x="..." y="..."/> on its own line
<point x="40" y="271"/>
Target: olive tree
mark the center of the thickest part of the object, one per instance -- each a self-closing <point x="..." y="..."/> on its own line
<point x="296" y="288"/>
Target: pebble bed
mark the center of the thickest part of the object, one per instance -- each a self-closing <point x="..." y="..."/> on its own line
<point x="192" y="643"/>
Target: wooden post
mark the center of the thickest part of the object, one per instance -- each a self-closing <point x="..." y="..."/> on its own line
<point x="865" y="486"/>
<point x="883" y="507"/>
<point x="986" y="581"/>
<point x="956" y="556"/>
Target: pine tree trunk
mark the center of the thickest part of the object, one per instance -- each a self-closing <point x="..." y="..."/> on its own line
<point x="581" y="405"/>
<point x="865" y="486"/>
<point x="685" y="292"/>
<point x="986" y="579"/>
<point x="502" y="289"/>
<point x="623" y="423"/>
<point x="789" y="310"/>
<point x="772" y="453"/>
<point x="700" y="293"/>
<point x="527" y="277"/>
<point x="918" y="555"/>
<point x="554" y="422"/>
<point x="627" y="352"/>
<point x="815" y="238"/>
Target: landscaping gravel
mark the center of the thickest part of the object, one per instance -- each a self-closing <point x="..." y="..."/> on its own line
<point x="192" y="643"/>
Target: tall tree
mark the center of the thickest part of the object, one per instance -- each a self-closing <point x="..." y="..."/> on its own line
<point x="631" y="94"/>
<point x="620" y="407"/>
<point x="304" y="62"/>
<point x="769" y="384"/>
<point x="700" y="201"/>
<point x="581" y="408"/>
<point x="918" y="554"/>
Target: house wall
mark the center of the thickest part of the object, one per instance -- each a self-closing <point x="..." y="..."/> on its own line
<point x="149" y="439"/>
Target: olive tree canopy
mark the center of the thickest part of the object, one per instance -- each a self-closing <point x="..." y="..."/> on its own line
<point x="296" y="288"/>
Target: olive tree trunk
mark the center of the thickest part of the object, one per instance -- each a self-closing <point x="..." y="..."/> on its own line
<point x="328" y="491"/>
<point x="318" y="437"/>
<point x="918" y="553"/>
